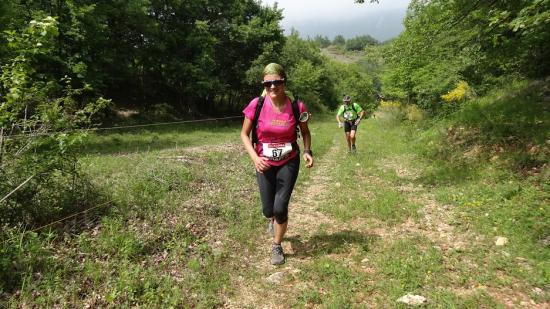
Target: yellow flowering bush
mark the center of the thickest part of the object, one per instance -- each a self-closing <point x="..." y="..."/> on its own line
<point x="457" y="94"/>
<point x="387" y="105"/>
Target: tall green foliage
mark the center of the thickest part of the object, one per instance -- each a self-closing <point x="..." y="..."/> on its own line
<point x="36" y="112"/>
<point x="479" y="42"/>
<point x="307" y="74"/>
<point x="339" y="40"/>
<point x="322" y="41"/>
<point x="191" y="55"/>
<point x="350" y="80"/>
<point x="251" y="36"/>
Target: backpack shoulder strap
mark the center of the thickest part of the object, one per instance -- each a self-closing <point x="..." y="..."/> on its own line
<point x="259" y="108"/>
<point x="257" y="112"/>
<point x="296" y="110"/>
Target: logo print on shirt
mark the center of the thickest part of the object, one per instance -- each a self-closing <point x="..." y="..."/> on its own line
<point x="279" y="122"/>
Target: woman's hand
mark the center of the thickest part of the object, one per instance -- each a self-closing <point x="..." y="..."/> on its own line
<point x="309" y="160"/>
<point x="261" y="165"/>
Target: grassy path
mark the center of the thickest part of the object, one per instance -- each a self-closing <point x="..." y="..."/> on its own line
<point x="185" y="230"/>
<point x="364" y="230"/>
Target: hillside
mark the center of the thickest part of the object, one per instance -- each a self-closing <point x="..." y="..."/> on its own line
<point x="342" y="56"/>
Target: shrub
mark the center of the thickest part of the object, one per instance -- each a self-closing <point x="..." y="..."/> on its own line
<point x="40" y="115"/>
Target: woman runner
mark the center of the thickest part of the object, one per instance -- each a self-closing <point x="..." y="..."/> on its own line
<point x="276" y="153"/>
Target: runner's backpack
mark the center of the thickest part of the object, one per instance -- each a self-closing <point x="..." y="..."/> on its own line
<point x="258" y="110"/>
<point x="352" y="107"/>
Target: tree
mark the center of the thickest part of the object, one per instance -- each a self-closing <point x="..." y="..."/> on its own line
<point x="359" y="43"/>
<point x="191" y="55"/>
<point x="322" y="41"/>
<point x="339" y="40"/>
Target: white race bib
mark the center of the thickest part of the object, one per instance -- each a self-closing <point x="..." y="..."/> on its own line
<point x="348" y="115"/>
<point x="277" y="151"/>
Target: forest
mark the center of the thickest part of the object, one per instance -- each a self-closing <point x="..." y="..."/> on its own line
<point x="471" y="76"/>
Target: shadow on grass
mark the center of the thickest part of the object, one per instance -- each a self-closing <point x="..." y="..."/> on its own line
<point x="339" y="242"/>
<point x="516" y="115"/>
<point x="448" y="173"/>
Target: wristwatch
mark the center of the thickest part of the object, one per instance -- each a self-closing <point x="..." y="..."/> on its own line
<point x="308" y="151"/>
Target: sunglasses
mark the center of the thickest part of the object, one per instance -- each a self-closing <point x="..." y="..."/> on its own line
<point x="276" y="82"/>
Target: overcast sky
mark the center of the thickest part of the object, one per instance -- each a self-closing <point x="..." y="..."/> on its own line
<point x="295" y="10"/>
<point x="329" y="18"/>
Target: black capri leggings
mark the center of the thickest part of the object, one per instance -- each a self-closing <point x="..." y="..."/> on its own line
<point x="276" y="185"/>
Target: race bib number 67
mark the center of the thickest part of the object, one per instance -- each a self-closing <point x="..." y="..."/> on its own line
<point x="277" y="151"/>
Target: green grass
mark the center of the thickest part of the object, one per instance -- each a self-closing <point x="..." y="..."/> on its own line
<point x="366" y="182"/>
<point x="336" y="284"/>
<point x="499" y="190"/>
<point x="139" y="140"/>
<point x="149" y="248"/>
<point x="409" y="266"/>
<point x="502" y="189"/>
<point x="184" y="208"/>
<point x="488" y="197"/>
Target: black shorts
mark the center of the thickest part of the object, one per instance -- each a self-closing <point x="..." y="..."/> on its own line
<point x="350" y="125"/>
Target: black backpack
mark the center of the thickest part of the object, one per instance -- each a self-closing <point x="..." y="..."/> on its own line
<point x="259" y="106"/>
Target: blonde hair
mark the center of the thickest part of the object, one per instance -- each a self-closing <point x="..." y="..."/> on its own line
<point x="274" y="68"/>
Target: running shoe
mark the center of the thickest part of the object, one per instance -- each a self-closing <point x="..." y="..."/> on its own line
<point x="277" y="255"/>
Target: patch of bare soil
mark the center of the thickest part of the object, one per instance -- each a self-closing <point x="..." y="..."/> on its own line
<point x="342" y="56"/>
<point x="191" y="154"/>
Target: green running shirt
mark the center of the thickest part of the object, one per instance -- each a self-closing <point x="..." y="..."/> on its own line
<point x="348" y="112"/>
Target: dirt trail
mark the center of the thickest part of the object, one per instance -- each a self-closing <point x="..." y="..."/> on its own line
<point x="305" y="220"/>
<point x="264" y="285"/>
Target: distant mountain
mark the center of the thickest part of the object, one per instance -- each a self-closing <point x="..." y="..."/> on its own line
<point x="382" y="26"/>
